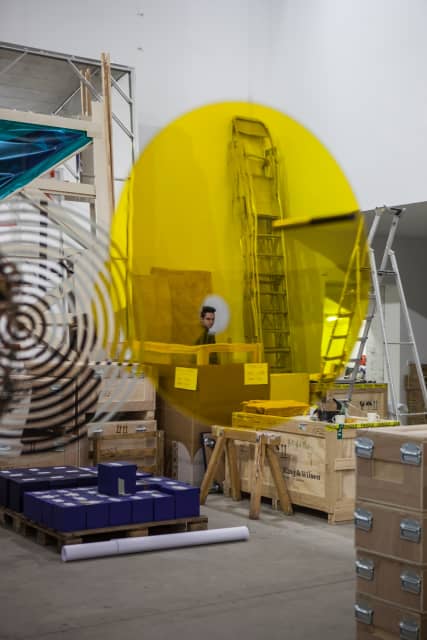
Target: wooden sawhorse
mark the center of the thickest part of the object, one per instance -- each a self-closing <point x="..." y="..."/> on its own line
<point x="266" y="444"/>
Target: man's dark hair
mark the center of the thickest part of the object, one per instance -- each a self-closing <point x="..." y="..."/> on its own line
<point x="207" y="309"/>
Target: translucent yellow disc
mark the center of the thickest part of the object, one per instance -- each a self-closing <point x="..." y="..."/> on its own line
<point x="237" y="208"/>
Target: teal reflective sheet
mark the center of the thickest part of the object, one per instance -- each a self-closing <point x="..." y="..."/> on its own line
<point x="29" y="150"/>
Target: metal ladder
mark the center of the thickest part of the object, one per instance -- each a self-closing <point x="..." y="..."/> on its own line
<point x="349" y="309"/>
<point x="388" y="268"/>
<point x="256" y="170"/>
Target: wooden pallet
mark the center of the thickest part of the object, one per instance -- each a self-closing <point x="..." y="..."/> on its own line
<point x="20" y="524"/>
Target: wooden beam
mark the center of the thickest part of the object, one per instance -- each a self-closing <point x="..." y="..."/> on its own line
<point x="108" y="117"/>
<point x="212" y="468"/>
<point x="103" y="186"/>
<point x="91" y="128"/>
<point x="279" y="481"/>
<point x="234" y="470"/>
<point x="67" y="189"/>
<point x="257" y="479"/>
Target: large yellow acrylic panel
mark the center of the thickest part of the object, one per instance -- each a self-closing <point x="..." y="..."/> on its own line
<point x="181" y="236"/>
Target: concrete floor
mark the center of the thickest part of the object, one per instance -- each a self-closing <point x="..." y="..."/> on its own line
<point x="293" y="580"/>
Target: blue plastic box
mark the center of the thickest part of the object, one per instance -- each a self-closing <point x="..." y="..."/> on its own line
<point x="164" y="505"/>
<point x="18" y="485"/>
<point x="119" y="511"/>
<point x="142" y="507"/>
<point x="68" y="516"/>
<point x="5" y="475"/>
<point x="187" y="498"/>
<point x="116" y="478"/>
<point x="97" y="514"/>
<point x="33" y="502"/>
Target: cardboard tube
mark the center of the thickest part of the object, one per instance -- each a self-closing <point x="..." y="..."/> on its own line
<point x="152" y="543"/>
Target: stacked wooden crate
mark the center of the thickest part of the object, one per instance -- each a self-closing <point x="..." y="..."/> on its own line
<point x="128" y="428"/>
<point x="414" y="396"/>
<point x="391" y="540"/>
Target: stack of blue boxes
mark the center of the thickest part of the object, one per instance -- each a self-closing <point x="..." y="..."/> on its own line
<point x="113" y="494"/>
<point x="15" y="482"/>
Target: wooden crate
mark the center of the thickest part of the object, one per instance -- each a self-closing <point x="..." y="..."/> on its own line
<point x="415" y="402"/>
<point x="74" y="454"/>
<point x="140" y="395"/>
<point x="145" y="449"/>
<point x="121" y="427"/>
<point x="366" y="398"/>
<point x="411" y="380"/>
<point x="319" y="468"/>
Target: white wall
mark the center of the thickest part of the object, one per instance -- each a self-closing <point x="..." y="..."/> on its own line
<point x="350" y="70"/>
<point x="186" y="53"/>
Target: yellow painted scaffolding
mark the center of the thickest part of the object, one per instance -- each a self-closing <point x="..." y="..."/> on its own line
<point x="257" y="198"/>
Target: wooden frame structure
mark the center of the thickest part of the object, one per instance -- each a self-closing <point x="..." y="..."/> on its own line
<point x="165" y="351"/>
<point x="265" y="450"/>
<point x="100" y="192"/>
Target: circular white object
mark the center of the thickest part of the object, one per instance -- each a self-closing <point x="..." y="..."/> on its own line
<point x="222" y="313"/>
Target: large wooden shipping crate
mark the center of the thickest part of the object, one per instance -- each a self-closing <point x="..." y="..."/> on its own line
<point x="319" y="468"/>
<point x="317" y="459"/>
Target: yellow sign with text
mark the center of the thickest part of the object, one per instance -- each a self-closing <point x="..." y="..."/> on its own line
<point x="186" y="378"/>
<point x="256" y="373"/>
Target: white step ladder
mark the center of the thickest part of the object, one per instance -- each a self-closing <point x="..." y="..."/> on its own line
<point x="388" y="268"/>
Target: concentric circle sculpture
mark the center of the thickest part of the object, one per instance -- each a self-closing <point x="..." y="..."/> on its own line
<point x="60" y="291"/>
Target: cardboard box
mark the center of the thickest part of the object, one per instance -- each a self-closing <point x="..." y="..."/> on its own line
<point x="285" y="408"/>
<point x="290" y="386"/>
<point x="391" y="531"/>
<point x="379" y="620"/>
<point x="180" y="427"/>
<point x="220" y="391"/>
<point x="392" y="465"/>
<point x="185" y="468"/>
<point x="391" y="579"/>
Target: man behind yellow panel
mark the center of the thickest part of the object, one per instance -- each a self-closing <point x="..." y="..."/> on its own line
<point x="207" y="320"/>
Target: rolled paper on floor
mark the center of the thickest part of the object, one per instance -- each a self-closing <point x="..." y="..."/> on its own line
<point x="152" y="543"/>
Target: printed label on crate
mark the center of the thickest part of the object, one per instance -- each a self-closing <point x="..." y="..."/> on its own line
<point x="186" y="378"/>
<point x="256" y="373"/>
<point x="304" y="464"/>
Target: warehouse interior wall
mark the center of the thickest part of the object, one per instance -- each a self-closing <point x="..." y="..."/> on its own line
<point x="350" y="71"/>
<point x="346" y="69"/>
